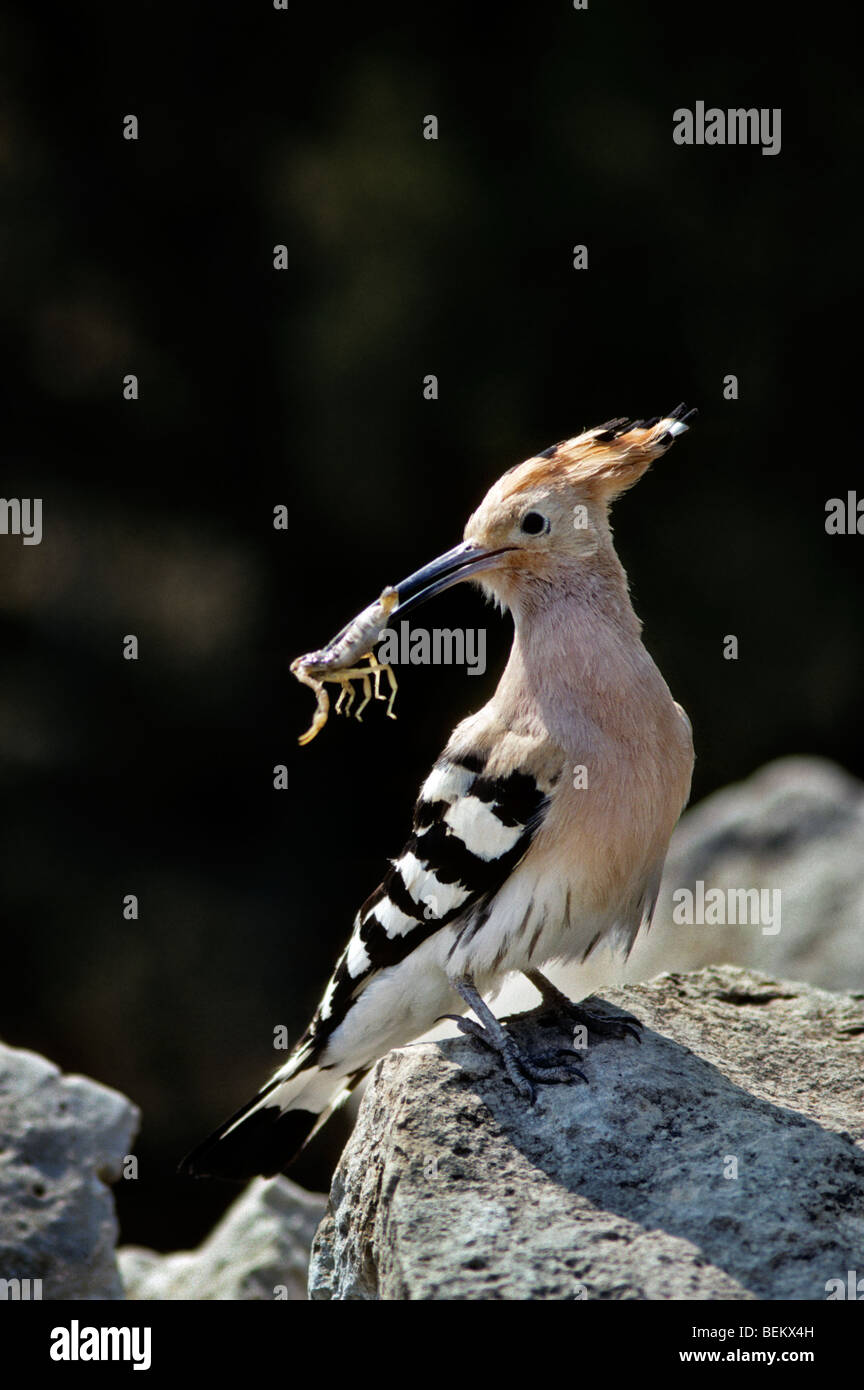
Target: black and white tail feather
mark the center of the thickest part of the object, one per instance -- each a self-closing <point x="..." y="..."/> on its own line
<point x="470" y="831"/>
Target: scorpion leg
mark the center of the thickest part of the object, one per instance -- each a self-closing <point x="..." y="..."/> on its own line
<point x="393" y="688"/>
<point x="376" y="668"/>
<point x="344" y="679"/>
<point x="367" y="694"/>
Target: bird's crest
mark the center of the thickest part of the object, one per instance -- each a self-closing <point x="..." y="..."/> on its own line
<point x="606" y="460"/>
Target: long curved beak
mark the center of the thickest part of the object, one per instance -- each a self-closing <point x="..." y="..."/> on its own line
<point x="462" y="562"/>
<point x="358" y="636"/>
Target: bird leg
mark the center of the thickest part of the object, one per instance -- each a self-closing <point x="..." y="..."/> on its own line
<point x="602" y="1025"/>
<point x="522" y="1069"/>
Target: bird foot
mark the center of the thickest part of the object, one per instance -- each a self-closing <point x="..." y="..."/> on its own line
<point x="585" y="1014"/>
<point x="523" y="1068"/>
<point x="595" y="1022"/>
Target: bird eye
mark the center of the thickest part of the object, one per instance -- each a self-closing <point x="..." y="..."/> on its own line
<point x="533" y="523"/>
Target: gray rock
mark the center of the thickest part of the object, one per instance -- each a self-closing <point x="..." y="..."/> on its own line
<point x="721" y="1159"/>
<point x="796" y="825"/>
<point x="62" y="1142"/>
<point x="259" y="1250"/>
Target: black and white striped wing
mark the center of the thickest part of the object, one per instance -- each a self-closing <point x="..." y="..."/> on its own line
<point x="470" y="831"/>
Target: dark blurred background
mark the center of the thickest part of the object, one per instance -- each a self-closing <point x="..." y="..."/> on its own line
<point x="304" y="388"/>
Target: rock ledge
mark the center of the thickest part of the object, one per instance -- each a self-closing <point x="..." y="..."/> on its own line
<point x="721" y="1159"/>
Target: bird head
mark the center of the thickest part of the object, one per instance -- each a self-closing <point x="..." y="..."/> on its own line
<point x="547" y="518"/>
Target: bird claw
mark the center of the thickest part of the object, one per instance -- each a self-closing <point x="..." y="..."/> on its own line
<point x="559" y="1060"/>
<point x="465" y="1025"/>
<point x="557" y="1006"/>
<point x="523" y="1069"/>
<point x="606" y="1025"/>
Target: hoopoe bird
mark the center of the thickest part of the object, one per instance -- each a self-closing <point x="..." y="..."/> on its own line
<point x="542" y="828"/>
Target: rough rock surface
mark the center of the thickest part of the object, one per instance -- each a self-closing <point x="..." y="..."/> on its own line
<point x="259" y="1250"/>
<point x="62" y="1141"/>
<point x="721" y="1159"/>
<point x="796" y="825"/>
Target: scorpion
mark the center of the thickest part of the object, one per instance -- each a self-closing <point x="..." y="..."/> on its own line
<point x="339" y="662"/>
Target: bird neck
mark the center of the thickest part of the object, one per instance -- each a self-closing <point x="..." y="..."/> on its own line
<point x="578" y="662"/>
